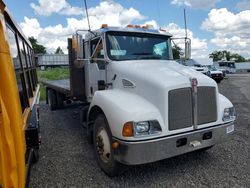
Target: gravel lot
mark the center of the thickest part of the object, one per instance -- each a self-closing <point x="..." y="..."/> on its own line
<point x="67" y="160"/>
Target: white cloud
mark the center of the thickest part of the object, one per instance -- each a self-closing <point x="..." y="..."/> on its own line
<point x="231" y="30"/>
<point x="198" y="47"/>
<point x="106" y="12"/>
<point x="48" y="7"/>
<point x="203" y="4"/>
<point x="31" y="27"/>
<point x="51" y="37"/>
<point x="243" y="5"/>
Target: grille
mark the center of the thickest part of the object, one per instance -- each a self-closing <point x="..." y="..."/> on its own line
<point x="180" y="108"/>
<point x="206" y="99"/>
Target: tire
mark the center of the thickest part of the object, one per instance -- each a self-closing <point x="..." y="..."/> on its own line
<point x="52" y="99"/>
<point x="59" y="99"/>
<point x="102" y="141"/>
<point x="218" y="81"/>
<point x="35" y="156"/>
<point x="84" y="114"/>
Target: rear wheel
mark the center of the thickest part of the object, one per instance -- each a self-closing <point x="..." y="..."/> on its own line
<point x="35" y="157"/>
<point x="52" y="99"/>
<point x="59" y="99"/>
<point x="102" y="145"/>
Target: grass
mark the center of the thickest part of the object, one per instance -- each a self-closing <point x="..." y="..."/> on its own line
<point x="51" y="74"/>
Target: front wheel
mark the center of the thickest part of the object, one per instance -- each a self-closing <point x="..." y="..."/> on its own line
<point x="218" y="81"/>
<point x="102" y="147"/>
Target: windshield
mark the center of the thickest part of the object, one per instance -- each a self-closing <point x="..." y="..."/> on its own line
<point x="212" y="68"/>
<point x="135" y="46"/>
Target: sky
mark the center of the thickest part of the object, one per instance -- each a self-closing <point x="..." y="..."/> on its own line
<point x="212" y="24"/>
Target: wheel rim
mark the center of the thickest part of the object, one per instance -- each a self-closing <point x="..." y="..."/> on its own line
<point x="103" y="145"/>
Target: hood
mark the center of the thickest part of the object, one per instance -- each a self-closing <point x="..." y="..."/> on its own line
<point x="152" y="80"/>
<point x="216" y="72"/>
<point x="161" y="73"/>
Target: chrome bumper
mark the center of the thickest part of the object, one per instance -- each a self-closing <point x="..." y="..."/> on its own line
<point x="141" y="152"/>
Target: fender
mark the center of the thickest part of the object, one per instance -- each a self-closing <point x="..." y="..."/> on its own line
<point x="120" y="107"/>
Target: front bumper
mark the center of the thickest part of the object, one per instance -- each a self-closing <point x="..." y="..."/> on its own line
<point x="141" y="152"/>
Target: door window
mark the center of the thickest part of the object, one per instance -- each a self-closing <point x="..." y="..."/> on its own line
<point x="97" y="53"/>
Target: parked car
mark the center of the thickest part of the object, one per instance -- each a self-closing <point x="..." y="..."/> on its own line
<point x="201" y="68"/>
<point x="194" y="64"/>
<point x="214" y="73"/>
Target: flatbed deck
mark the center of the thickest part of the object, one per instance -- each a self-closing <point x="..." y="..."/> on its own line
<point x="62" y="86"/>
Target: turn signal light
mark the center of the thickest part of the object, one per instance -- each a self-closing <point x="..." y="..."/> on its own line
<point x="128" y="129"/>
<point x="115" y="145"/>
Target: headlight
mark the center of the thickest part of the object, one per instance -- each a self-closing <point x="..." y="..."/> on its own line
<point x="141" y="127"/>
<point x="144" y="128"/>
<point x="229" y="114"/>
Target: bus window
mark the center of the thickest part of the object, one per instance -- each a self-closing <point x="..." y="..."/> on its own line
<point x="18" y="69"/>
<point x="25" y="67"/>
<point x="29" y="67"/>
<point x="33" y="66"/>
<point x="33" y="60"/>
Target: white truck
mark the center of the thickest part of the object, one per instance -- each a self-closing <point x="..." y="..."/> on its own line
<point x="141" y="106"/>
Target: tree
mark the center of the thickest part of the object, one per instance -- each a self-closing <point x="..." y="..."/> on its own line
<point x="38" y="48"/>
<point x="237" y="58"/>
<point x="59" y="50"/>
<point x="226" y="55"/>
<point x="176" y="51"/>
<point x="217" y="55"/>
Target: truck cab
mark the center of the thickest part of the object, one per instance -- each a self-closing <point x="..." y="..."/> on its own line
<point x="144" y="106"/>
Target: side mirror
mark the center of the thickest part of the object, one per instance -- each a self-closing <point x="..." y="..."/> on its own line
<point x="181" y="48"/>
<point x="79" y="63"/>
<point x="187" y="48"/>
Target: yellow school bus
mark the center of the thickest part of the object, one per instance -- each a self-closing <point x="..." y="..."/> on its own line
<point x="19" y="97"/>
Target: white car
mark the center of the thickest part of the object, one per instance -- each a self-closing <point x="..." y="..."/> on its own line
<point x="200" y="68"/>
<point x="214" y="73"/>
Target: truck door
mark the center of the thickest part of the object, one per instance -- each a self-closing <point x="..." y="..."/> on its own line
<point x="96" y="67"/>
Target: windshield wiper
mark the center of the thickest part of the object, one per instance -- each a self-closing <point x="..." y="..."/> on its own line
<point x="149" y="57"/>
<point x="142" y="53"/>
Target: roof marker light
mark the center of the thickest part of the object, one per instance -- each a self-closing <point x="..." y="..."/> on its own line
<point x="149" y="26"/>
<point x="137" y="26"/>
<point x="130" y="25"/>
<point x="104" y="26"/>
<point x="163" y="30"/>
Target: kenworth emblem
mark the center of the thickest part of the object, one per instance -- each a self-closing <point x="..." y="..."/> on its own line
<point x="194" y="84"/>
